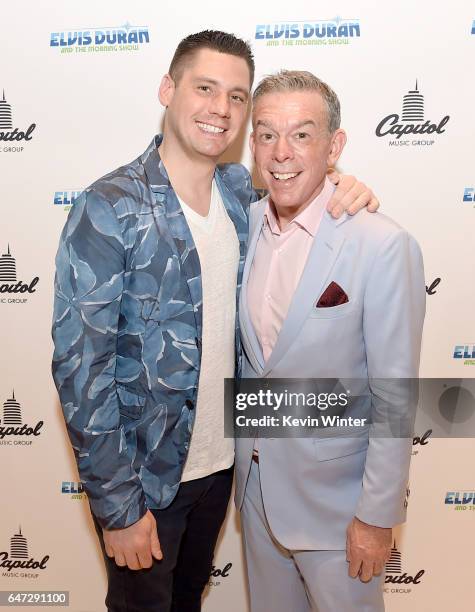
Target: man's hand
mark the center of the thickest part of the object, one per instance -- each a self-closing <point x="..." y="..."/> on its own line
<point x="134" y="546"/>
<point x="367" y="549"/>
<point x="350" y="196"/>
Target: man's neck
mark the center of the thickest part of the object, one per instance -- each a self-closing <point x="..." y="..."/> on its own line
<point x="191" y="178"/>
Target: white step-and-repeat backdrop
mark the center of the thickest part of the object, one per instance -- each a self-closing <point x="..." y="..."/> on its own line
<point x="78" y="97"/>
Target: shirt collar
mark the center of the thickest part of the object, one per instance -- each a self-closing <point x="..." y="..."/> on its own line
<point x="309" y="219"/>
<point x="154" y="169"/>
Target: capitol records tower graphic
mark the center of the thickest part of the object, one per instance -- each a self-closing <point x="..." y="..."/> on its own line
<point x="413" y="106"/>
<point x="7" y="267"/>
<point x="394" y="565"/>
<point x="6" y="122"/>
<point x="18" y="546"/>
<point x="11" y="412"/>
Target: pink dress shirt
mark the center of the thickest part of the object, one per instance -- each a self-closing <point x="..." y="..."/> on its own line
<point x="278" y="264"/>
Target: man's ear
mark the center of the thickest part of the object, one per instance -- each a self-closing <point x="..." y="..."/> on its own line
<point x="338" y="142"/>
<point x="166" y="90"/>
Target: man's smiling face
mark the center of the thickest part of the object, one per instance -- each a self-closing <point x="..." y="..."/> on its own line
<point x="207" y="107"/>
<point x="292" y="145"/>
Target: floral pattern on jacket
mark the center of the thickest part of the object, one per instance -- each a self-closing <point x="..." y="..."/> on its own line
<point x="127" y="331"/>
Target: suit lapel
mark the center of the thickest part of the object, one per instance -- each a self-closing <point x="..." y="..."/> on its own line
<point x="252" y="344"/>
<point x="323" y="254"/>
<point x="175" y="230"/>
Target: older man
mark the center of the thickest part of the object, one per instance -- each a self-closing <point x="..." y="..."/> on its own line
<point x="321" y="298"/>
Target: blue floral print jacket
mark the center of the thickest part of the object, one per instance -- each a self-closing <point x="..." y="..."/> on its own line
<point x="127" y="329"/>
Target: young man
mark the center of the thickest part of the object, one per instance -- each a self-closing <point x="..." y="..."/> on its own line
<point x="148" y="269"/>
<point x="323" y="299"/>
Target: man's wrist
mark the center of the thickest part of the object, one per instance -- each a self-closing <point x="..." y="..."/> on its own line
<point x="369" y="524"/>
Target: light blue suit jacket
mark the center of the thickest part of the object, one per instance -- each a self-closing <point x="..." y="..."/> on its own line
<point x="313" y="487"/>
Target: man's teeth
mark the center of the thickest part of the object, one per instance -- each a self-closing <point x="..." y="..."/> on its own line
<point x="210" y="128"/>
<point x="284" y="177"/>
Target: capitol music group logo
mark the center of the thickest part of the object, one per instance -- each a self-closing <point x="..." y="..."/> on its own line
<point x="432" y="288"/>
<point x="15" y="562"/>
<point x="335" y="31"/>
<point x="9" y="284"/>
<point x="418" y="441"/>
<point x="98" y="40"/>
<point x="395" y="575"/>
<point x="9" y="133"/>
<point x="217" y="572"/>
<point x="411" y="121"/>
<point x="13" y="432"/>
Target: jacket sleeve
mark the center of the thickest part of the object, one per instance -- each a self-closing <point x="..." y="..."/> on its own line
<point x="394" y="309"/>
<point x="90" y="268"/>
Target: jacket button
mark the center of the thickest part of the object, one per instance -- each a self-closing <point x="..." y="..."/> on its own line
<point x="189" y="404"/>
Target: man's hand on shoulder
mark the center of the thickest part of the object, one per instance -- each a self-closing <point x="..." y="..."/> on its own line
<point x="350" y="196"/>
<point x="134" y="546"/>
<point x="367" y="549"/>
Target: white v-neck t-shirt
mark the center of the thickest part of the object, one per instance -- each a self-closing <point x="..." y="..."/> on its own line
<point x="218" y="250"/>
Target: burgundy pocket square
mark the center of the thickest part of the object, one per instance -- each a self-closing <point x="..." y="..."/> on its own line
<point x="332" y="296"/>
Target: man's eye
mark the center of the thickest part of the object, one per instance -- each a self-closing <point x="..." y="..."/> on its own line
<point x="301" y="135"/>
<point x="237" y="98"/>
<point x="204" y="88"/>
<point x="266" y="137"/>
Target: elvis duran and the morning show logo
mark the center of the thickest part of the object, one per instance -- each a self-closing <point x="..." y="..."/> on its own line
<point x="465" y="353"/>
<point x="461" y="500"/>
<point x="17" y="562"/>
<point x="12" y="289"/>
<point x="335" y="31"/>
<point x="397" y="580"/>
<point x="12" y="135"/>
<point x="411" y="128"/>
<point x="13" y="430"/>
<point x="469" y="195"/>
<point x="74" y="489"/>
<point x="100" y="40"/>
<point x="65" y="199"/>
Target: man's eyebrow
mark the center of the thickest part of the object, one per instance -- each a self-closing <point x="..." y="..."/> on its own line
<point x="266" y="124"/>
<point x="304" y="123"/>
<point x="204" y="79"/>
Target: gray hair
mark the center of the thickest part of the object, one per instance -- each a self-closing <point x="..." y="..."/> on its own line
<point x="301" y="80"/>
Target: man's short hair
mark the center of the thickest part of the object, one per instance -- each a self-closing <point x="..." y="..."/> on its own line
<point x="301" y="80"/>
<point x="223" y="42"/>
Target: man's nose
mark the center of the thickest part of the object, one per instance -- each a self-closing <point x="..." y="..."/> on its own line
<point x="282" y="150"/>
<point x="220" y="105"/>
